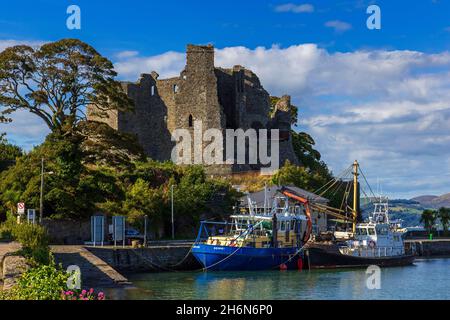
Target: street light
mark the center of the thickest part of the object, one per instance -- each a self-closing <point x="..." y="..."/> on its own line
<point x="145" y="230"/>
<point x="173" y="226"/>
<point x="41" y="198"/>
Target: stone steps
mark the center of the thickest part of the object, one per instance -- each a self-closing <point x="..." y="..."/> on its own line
<point x="94" y="271"/>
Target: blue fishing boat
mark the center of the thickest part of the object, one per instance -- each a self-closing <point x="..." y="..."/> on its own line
<point x="272" y="239"/>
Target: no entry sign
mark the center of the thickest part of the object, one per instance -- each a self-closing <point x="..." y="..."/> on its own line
<point x="21" y="208"/>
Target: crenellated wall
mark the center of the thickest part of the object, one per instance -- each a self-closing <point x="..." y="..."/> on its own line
<point x="221" y="98"/>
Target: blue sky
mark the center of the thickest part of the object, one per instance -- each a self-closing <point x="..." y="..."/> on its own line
<point x="381" y="96"/>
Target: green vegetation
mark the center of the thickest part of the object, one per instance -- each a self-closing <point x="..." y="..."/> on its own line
<point x="33" y="239"/>
<point x="8" y="153"/>
<point x="56" y="82"/>
<point x="444" y="216"/>
<point x="429" y="218"/>
<point x="82" y="184"/>
<point x="313" y="172"/>
<point x="97" y="169"/>
<point x="43" y="282"/>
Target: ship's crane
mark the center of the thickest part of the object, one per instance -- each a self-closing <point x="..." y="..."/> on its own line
<point x="290" y="194"/>
<point x="308" y="204"/>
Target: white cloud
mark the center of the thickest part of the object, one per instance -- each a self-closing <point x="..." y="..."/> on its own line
<point x="295" y="8"/>
<point x="127" y="54"/>
<point x="389" y="109"/>
<point x="168" y="64"/>
<point x="10" y="43"/>
<point x="26" y="129"/>
<point x="338" y="26"/>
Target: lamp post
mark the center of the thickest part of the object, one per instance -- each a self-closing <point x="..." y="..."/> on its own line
<point x="145" y="230"/>
<point x="41" y="198"/>
<point x="173" y="225"/>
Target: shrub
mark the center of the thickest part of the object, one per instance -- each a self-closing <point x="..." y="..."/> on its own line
<point x="6" y="230"/>
<point x="82" y="295"/>
<point x="44" y="282"/>
<point x="34" y="241"/>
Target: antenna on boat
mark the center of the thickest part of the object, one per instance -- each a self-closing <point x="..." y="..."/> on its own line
<point x="265" y="198"/>
<point x="355" y="194"/>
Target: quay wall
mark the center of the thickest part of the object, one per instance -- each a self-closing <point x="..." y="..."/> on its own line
<point x="68" y="232"/>
<point x="428" y="248"/>
<point x="150" y="259"/>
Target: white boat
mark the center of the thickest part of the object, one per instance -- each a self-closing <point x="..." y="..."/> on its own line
<point x="378" y="237"/>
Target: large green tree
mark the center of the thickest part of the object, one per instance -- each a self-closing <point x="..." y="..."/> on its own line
<point x="428" y="218"/>
<point x="444" y="217"/>
<point x="57" y="81"/>
<point x="8" y="152"/>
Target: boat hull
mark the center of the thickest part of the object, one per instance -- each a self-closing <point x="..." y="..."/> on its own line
<point x="324" y="257"/>
<point x="225" y="258"/>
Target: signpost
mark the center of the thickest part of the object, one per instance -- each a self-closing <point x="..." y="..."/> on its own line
<point x="21" y="208"/>
<point x="31" y="216"/>
<point x="20" y="211"/>
<point x="118" y="223"/>
<point x="98" y="230"/>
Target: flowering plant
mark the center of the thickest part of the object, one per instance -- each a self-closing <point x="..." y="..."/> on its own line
<point x="82" y="295"/>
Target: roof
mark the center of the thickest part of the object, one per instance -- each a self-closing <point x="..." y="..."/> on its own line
<point x="273" y="192"/>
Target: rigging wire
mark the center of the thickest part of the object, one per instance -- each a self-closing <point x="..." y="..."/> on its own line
<point x="344" y="172"/>
<point x="336" y="180"/>
<point x="370" y="188"/>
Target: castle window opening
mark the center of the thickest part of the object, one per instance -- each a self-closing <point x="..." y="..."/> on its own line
<point x="152" y="90"/>
<point x="175" y="88"/>
<point x="191" y="121"/>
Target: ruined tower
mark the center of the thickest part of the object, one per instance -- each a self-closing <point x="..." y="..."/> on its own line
<point x="221" y="98"/>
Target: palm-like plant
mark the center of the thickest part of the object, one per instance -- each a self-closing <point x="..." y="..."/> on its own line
<point x="428" y="218"/>
<point x="444" y="216"/>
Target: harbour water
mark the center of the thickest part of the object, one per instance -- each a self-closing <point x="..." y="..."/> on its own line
<point x="426" y="279"/>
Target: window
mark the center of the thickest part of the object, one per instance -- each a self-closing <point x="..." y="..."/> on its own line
<point x="361" y="231"/>
<point x="382" y="230"/>
<point x="371" y="231"/>
<point x="175" y="88"/>
<point x="191" y="121"/>
<point x="283" y="226"/>
<point x="152" y="90"/>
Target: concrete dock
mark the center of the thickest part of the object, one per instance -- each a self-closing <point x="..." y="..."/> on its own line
<point x="107" y="266"/>
<point x="428" y="248"/>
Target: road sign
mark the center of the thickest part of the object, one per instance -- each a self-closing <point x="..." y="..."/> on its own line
<point x="97" y="230"/>
<point x="118" y="229"/>
<point x="21" y="208"/>
<point x="31" y="215"/>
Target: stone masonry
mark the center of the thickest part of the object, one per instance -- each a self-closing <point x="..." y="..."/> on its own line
<point x="221" y="98"/>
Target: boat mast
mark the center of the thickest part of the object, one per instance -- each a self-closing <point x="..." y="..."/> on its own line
<point x="355" y="194"/>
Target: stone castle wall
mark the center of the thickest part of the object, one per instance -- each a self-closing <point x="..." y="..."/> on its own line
<point x="221" y="98"/>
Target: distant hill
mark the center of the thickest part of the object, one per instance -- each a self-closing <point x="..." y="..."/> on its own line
<point x="408" y="211"/>
<point x="434" y="202"/>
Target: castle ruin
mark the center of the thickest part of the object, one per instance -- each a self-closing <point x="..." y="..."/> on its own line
<point x="221" y="98"/>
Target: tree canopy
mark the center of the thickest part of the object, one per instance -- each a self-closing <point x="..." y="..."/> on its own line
<point x="428" y="218"/>
<point x="8" y="152"/>
<point x="57" y="81"/>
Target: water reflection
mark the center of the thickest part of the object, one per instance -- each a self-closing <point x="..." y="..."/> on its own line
<point x="428" y="279"/>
